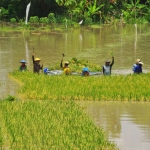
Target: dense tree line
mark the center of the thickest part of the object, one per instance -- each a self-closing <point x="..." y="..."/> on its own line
<point x="97" y="10"/>
<point x="17" y="8"/>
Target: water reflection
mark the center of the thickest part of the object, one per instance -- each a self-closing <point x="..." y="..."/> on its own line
<point x="7" y="88"/>
<point x="27" y="52"/>
<point x="128" y="124"/>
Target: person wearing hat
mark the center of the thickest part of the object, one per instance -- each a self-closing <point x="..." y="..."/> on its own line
<point x="85" y="71"/>
<point x="137" y="67"/>
<point x="36" y="64"/>
<point x="136" y="64"/>
<point x="107" y="67"/>
<point x="23" y="66"/>
<point x="65" y="67"/>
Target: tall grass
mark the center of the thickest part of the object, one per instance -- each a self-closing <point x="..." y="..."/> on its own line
<point x="45" y="125"/>
<point x="119" y="88"/>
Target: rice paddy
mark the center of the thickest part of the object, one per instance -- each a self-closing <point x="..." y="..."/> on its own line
<point x="114" y="88"/>
<point x="37" y="125"/>
<point x="45" y="115"/>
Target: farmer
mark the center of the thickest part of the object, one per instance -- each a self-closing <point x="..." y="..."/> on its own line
<point x="107" y="67"/>
<point x="23" y="66"/>
<point x="137" y="67"/>
<point x="85" y="71"/>
<point x="36" y="64"/>
<point x="65" y="68"/>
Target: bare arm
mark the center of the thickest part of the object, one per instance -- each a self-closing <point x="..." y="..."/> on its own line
<point x="112" y="61"/>
<point x="103" y="69"/>
<point x="61" y="63"/>
<point x="33" y="58"/>
<point x="41" y="67"/>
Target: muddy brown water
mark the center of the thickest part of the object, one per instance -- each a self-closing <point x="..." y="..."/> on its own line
<point x="125" y="123"/>
<point x="130" y="129"/>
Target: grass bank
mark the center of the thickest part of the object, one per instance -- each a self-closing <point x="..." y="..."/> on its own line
<point x="118" y="88"/>
<point x="37" y="125"/>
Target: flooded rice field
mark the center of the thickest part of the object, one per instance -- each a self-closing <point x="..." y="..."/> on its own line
<point x="128" y="124"/>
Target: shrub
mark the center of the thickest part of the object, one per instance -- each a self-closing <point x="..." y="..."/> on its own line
<point x="51" y="18"/>
<point x="34" y="19"/>
<point x="13" y="20"/>
<point x="44" y="20"/>
<point x="88" y="21"/>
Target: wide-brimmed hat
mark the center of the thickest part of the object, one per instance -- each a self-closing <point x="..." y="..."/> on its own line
<point x="66" y="62"/>
<point x="138" y="60"/>
<point x="37" y="59"/>
<point x="85" y="69"/>
<point x="141" y="63"/>
<point x="22" y="61"/>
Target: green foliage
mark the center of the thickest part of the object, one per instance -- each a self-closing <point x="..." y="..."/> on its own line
<point x="34" y="19"/>
<point x="77" y="65"/>
<point x="147" y="18"/>
<point x="60" y="18"/>
<point x="12" y="11"/>
<point x="60" y="2"/>
<point x="10" y="98"/>
<point x="4" y="13"/>
<point x="21" y="22"/>
<point x="49" y="125"/>
<point x="67" y="3"/>
<point x="67" y="22"/>
<point x="13" y="20"/>
<point x="117" y="88"/>
<point x="88" y="21"/>
<point x="51" y="18"/>
<point x="92" y="8"/>
<point x="134" y="10"/>
<point x="79" y="9"/>
<point x="75" y="24"/>
<point x="44" y="20"/>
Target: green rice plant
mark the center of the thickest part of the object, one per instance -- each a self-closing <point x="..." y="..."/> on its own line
<point x="10" y="98"/>
<point x="118" y="88"/>
<point x="77" y="65"/>
<point x="49" y="125"/>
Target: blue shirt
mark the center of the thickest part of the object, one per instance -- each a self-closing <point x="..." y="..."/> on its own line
<point x="137" y="68"/>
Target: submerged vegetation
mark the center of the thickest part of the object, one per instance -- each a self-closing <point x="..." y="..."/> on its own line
<point x="48" y="125"/>
<point x="117" y="88"/>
